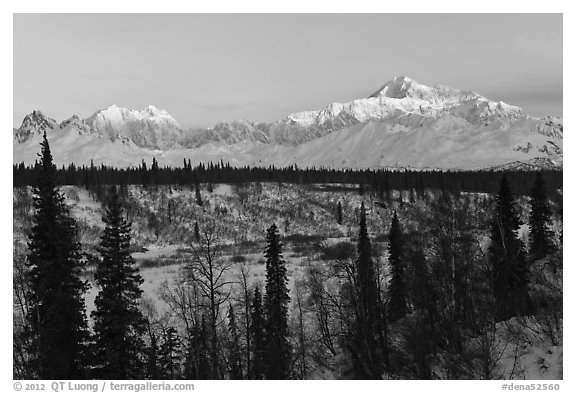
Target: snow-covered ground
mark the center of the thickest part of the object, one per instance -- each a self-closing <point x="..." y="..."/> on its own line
<point x="306" y="218"/>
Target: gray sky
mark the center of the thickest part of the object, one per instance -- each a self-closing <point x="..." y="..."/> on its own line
<point x="219" y="67"/>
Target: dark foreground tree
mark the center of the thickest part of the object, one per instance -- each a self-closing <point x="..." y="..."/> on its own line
<point x="57" y="312"/>
<point x="367" y="346"/>
<point x="276" y="299"/>
<point x="170" y="354"/>
<point x="397" y="291"/>
<point x="234" y="359"/>
<point x="541" y="236"/>
<point x="339" y="214"/>
<point x="196" y="231"/>
<point x="199" y="201"/>
<point x="257" y="335"/>
<point x="118" y="322"/>
<point x="508" y="258"/>
<point x="197" y="363"/>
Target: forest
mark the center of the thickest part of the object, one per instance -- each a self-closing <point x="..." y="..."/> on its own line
<point x="400" y="274"/>
<point x="381" y="181"/>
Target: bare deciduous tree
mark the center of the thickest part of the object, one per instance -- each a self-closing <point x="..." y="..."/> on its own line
<point x="208" y="271"/>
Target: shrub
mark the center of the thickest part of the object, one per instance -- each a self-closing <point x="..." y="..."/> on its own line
<point x="238" y="258"/>
<point x="340" y="250"/>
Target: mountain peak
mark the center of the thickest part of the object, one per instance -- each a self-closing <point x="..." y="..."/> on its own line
<point x="37" y="113"/>
<point x="152" y="110"/>
<point x="34" y="123"/>
<point x="117" y="114"/>
<point x="397" y="87"/>
<point x="37" y="118"/>
<point x="401" y="87"/>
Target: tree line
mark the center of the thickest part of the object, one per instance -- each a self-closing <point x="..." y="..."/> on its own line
<point x="380" y="181"/>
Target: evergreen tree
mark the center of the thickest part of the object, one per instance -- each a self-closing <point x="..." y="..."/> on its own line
<point x="169" y="354"/>
<point x="145" y="175"/>
<point x="234" y="358"/>
<point x="57" y="312"/>
<point x="199" y="201"/>
<point x="541" y="243"/>
<point x="118" y="322"/>
<point x="152" y="353"/>
<point x="508" y="258"/>
<point x="276" y="299"/>
<point x="339" y="214"/>
<point x="154" y="171"/>
<point x="257" y="333"/>
<point x="196" y="231"/>
<point x="397" y="290"/>
<point x="421" y="291"/>
<point x="367" y="347"/>
<point x="197" y="362"/>
<point x="154" y="166"/>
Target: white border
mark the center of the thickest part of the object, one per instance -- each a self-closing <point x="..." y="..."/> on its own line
<point x="340" y="6"/>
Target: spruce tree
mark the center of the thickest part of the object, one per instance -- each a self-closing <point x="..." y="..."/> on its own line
<point x="397" y="290"/>
<point x="152" y="361"/>
<point x="366" y="351"/>
<point x="276" y="299"/>
<point x="57" y="311"/>
<point x="197" y="362"/>
<point x="199" y="201"/>
<point x="257" y="333"/>
<point x="169" y="354"/>
<point x="508" y="258"/>
<point x="234" y="357"/>
<point x="118" y="322"/>
<point x="540" y="220"/>
<point x="154" y="166"/>
<point x="196" y="231"/>
<point x="339" y="214"/>
<point x="154" y="172"/>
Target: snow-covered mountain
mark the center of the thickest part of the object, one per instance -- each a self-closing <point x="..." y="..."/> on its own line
<point x="151" y="127"/>
<point x="34" y="123"/>
<point x="404" y="100"/>
<point x="402" y="124"/>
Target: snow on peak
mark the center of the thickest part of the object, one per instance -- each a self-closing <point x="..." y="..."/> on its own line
<point x="112" y="115"/>
<point x="398" y="87"/>
<point x="150" y="127"/>
<point x="117" y="116"/>
<point x="402" y="87"/>
<point x="403" y="96"/>
<point x="37" y="118"/>
<point x="34" y="123"/>
<point x="152" y="112"/>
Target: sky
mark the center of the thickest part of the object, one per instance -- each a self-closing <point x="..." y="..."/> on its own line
<point x="208" y="68"/>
